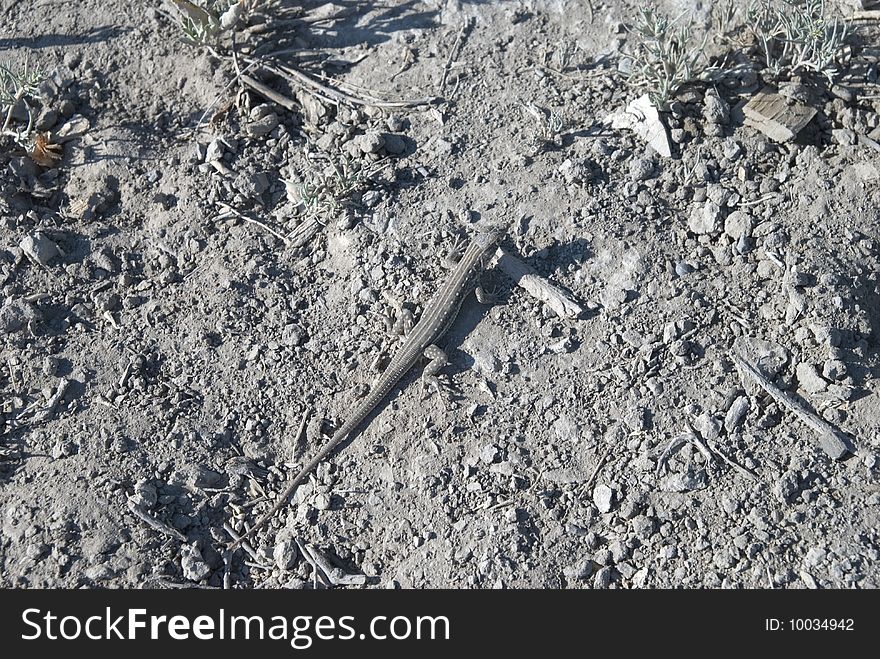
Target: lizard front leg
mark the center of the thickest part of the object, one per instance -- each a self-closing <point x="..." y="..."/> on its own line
<point x="430" y="374"/>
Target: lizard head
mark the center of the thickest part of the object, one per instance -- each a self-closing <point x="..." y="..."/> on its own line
<point x="488" y="237"/>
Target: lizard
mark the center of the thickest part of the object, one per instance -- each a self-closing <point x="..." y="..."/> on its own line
<point x="436" y="319"/>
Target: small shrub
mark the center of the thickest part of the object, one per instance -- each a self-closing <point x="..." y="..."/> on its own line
<point x="17" y="85"/>
<point x="667" y="57"/>
<point x="796" y="36"/>
<point x="205" y="22"/>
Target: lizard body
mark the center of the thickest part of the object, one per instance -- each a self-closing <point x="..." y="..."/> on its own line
<point x="434" y="322"/>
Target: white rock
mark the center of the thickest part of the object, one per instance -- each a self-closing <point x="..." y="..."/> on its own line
<point x="603" y="497"/>
<point x="705" y="219"/>
<point x="642" y="117"/>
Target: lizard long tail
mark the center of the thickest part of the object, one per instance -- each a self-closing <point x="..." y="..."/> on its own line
<point x="282" y="500"/>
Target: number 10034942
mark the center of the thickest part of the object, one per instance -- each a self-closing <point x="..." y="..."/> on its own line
<point x="810" y="624"/>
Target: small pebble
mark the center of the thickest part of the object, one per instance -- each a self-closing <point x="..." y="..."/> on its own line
<point x="193" y="565"/>
<point x="603" y="497"/>
<point x="39" y="248"/>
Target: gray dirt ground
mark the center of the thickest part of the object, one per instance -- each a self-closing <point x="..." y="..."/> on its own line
<point x="192" y="344"/>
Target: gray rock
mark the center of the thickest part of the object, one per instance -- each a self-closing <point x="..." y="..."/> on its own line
<point x="636" y="418"/>
<point x="251" y="184"/>
<point x="39" y="248"/>
<point x="489" y="453"/>
<point x="603" y="557"/>
<point x="716" y="109"/>
<point x="603" y="497"/>
<point x="394" y="144"/>
<point x="729" y="503"/>
<point x="285" y="554"/>
<point x="681" y="483"/>
<point x="708" y="426"/>
<point x="485" y="361"/>
<point x="705" y="219"/>
<point x="833" y="446"/>
<point x="323" y="501"/>
<point x="619" y="551"/>
<point x="644" y="527"/>
<point x="575" y="172"/>
<point x="580" y="571"/>
<point x="194" y="566"/>
<point x="51" y="365"/>
<point x="683" y="268"/>
<point x="629" y="509"/>
<point x="815" y="555"/>
<point x="834" y="369"/>
<point x="613" y="296"/>
<point x="723" y="560"/>
<point x="99" y="573"/>
<point x="394" y="122"/>
<point x="738" y="225"/>
<point x="561" y="346"/>
<point x="787" y="486"/>
<point x="371" y="142"/>
<point x="736" y="414"/>
<point x="145" y="494"/>
<point x="262" y="110"/>
<point x="64" y="449"/>
<point x="641" y="169"/>
<point x="844" y="136"/>
<point x="204" y="477"/>
<point x="13" y="316"/>
<point x="214" y="151"/>
<point x="846" y="94"/>
<point x="731" y="149"/>
<point x="603" y="578"/>
<point x="263" y="126"/>
<point x="809" y="379"/>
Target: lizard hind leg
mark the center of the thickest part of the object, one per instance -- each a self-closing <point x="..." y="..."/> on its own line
<point x="430" y="376"/>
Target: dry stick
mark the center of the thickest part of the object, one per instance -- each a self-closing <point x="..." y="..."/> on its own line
<point x="335" y="576"/>
<point x="867" y="141"/>
<point x="231" y="212"/>
<point x="304" y="231"/>
<point x="748" y="473"/>
<point x="155" y="524"/>
<point x="598" y="467"/>
<point x="227" y="570"/>
<point x="52" y="403"/>
<point x="331" y="94"/>
<point x="452" y="53"/>
<point x="834" y="442"/>
<point x="869" y="15"/>
<point x="307" y="556"/>
<point x="269" y="93"/>
<point x="245" y="545"/>
<point x="220" y="95"/>
<point x="302" y="425"/>
<point x="526" y="277"/>
<point x="11" y="372"/>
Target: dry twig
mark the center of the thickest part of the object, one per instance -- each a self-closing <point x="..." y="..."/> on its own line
<point x="834" y="442"/>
